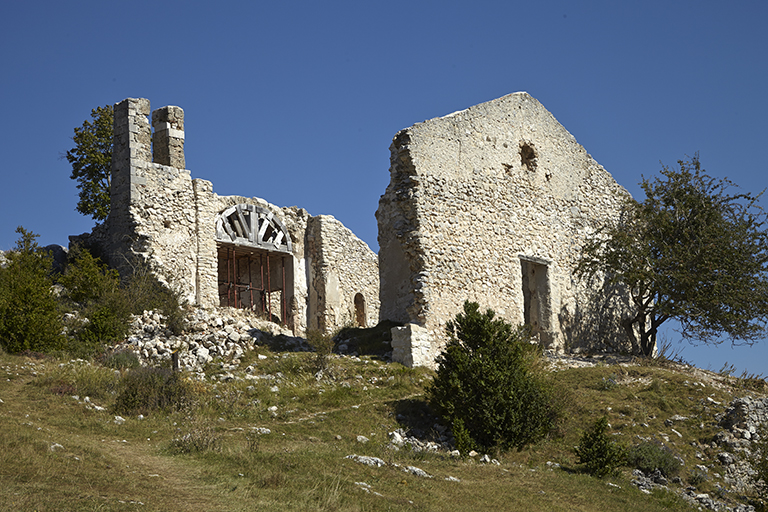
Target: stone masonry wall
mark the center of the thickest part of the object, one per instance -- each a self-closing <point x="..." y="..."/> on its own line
<point x="342" y="266"/>
<point x="491" y="204"/>
<point x="160" y="216"/>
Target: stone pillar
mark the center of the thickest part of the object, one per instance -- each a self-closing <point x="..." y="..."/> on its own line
<point x="207" y="275"/>
<point x="131" y="153"/>
<point x="131" y="150"/>
<point x="168" y="139"/>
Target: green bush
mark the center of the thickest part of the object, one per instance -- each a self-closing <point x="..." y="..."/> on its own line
<point x="147" y="389"/>
<point x="87" y="279"/>
<point x="489" y="378"/>
<point x="93" y="290"/>
<point x="461" y="437"/>
<point x="600" y="455"/>
<point x="649" y="456"/>
<point x="29" y="312"/>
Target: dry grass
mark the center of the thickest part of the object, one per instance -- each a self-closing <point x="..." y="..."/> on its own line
<point x="301" y="464"/>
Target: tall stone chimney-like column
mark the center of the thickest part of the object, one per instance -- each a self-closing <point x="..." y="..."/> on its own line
<point x="168" y="138"/>
<point x="131" y="151"/>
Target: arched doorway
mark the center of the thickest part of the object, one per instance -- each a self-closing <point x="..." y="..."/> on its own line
<point x="255" y="262"/>
<point x="360" y="319"/>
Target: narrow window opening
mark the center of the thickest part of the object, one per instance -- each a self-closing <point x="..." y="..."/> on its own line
<point x="360" y="310"/>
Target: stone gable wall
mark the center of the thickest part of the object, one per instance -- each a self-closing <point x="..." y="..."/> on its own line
<point x="475" y="198"/>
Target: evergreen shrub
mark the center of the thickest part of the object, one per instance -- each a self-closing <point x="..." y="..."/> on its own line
<point x="29" y="312"/>
<point x="94" y="292"/>
<point x="489" y="384"/>
<point x="600" y="455"/>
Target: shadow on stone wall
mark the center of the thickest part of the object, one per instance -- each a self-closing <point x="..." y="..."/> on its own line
<point x="596" y="325"/>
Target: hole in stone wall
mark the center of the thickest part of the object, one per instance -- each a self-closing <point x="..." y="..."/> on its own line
<point x="528" y="156"/>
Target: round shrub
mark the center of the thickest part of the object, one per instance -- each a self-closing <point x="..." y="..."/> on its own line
<point x="649" y="456"/>
<point x="489" y="386"/>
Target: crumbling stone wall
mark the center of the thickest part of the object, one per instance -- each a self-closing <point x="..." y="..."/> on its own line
<point x="491" y="204"/>
<point x="163" y="218"/>
<point x="344" y="284"/>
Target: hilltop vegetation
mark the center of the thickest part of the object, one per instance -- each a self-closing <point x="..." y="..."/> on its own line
<point x="276" y="433"/>
<point x="270" y="424"/>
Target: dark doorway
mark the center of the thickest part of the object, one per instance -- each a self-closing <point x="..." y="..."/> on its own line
<point x="360" y="310"/>
<point x="536" y="298"/>
<point x="254" y="279"/>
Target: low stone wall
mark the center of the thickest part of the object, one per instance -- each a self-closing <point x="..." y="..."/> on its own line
<point x="412" y="346"/>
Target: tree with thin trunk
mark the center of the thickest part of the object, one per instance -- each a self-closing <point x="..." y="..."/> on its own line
<point x="691" y="251"/>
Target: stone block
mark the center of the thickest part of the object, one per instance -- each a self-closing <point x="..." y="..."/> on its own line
<point x="412" y="346"/>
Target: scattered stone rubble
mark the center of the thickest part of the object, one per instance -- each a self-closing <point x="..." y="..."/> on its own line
<point x="401" y="439"/>
<point x="741" y="422"/>
<point x="377" y="463"/>
<point x="221" y="333"/>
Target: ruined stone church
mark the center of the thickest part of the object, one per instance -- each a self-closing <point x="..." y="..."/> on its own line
<point x="491" y="204"/>
<point x="232" y="251"/>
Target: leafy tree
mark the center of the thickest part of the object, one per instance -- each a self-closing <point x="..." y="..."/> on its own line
<point x="91" y="160"/>
<point x="691" y="251"/>
<point x="488" y="384"/>
<point x="29" y="313"/>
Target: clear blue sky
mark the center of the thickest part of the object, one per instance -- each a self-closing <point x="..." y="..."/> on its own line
<point x="297" y="102"/>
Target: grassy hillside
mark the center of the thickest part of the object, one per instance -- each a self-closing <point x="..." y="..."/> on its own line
<point x="62" y="451"/>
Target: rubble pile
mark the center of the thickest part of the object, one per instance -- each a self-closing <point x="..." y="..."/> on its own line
<point x="221" y="333"/>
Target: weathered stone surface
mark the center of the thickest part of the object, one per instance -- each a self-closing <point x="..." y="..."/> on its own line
<point x="341" y="261"/>
<point x="493" y="204"/>
<point x="412" y="346"/>
<point x="298" y="269"/>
